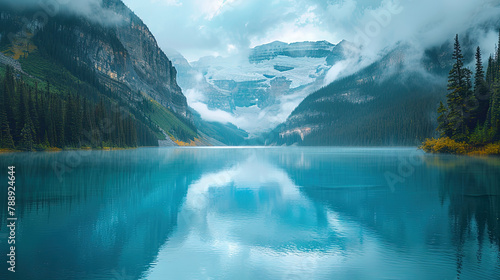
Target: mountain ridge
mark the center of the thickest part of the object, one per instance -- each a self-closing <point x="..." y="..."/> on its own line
<point x="120" y="60"/>
<point x="384" y="103"/>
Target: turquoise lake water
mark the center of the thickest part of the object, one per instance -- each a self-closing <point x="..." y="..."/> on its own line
<point x="253" y="213"/>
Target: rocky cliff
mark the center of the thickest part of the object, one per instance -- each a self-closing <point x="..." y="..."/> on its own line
<point x="120" y="50"/>
<point x="102" y="52"/>
<point x="298" y="49"/>
<point x="262" y="76"/>
<point x="151" y="71"/>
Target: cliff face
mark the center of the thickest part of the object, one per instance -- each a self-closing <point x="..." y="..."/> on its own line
<point x="151" y="71"/>
<point x="122" y="51"/>
<point x="266" y="74"/>
<point x="298" y="49"/>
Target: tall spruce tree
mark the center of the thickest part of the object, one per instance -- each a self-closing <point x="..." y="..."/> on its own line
<point x="443" y="126"/>
<point x="28" y="134"/>
<point x="489" y="72"/>
<point x="494" y="112"/>
<point x="460" y="98"/>
<point x="481" y="91"/>
<point x="6" y="140"/>
<point x="9" y="97"/>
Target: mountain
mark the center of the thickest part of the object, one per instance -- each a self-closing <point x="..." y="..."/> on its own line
<point x="259" y="87"/>
<point x="110" y="51"/>
<point x="299" y="49"/>
<point x="385" y="103"/>
<point x="214" y="133"/>
<point x="391" y="101"/>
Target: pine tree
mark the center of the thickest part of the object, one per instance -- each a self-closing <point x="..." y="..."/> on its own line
<point x="459" y="96"/>
<point x="495" y="109"/>
<point x="490" y="78"/>
<point x="32" y="119"/>
<point x="481" y="91"/>
<point x="6" y="140"/>
<point x="496" y="72"/>
<point x="443" y="125"/>
<point x="9" y="97"/>
<point x="455" y="78"/>
<point x="46" y="143"/>
<point x="27" y="134"/>
<point x="59" y="123"/>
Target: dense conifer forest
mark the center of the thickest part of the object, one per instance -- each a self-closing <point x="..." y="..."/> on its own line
<point x="33" y="117"/>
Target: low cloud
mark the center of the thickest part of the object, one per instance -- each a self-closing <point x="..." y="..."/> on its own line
<point x="197" y="101"/>
<point x="341" y="69"/>
<point x="90" y="9"/>
<point x="253" y="120"/>
<point x="418" y="25"/>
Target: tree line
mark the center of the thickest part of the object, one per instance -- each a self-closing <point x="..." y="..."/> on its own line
<point x="472" y="110"/>
<point x="32" y="118"/>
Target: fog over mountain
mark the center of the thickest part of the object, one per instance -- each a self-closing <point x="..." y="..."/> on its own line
<point x="229" y="27"/>
<point x="421" y="25"/>
<point x="226" y="27"/>
<point x="258" y="91"/>
<point x="93" y="10"/>
<point x="373" y="29"/>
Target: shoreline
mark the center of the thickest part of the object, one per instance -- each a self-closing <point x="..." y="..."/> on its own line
<point x="5" y="151"/>
<point x="445" y="145"/>
<point x="430" y="146"/>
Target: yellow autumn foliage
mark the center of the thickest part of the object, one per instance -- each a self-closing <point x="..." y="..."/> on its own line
<point x="446" y="145"/>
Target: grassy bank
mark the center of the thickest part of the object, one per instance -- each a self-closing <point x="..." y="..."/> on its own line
<point x="446" y="145"/>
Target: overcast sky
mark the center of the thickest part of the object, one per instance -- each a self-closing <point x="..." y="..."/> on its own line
<point x="198" y="28"/>
<point x="220" y="27"/>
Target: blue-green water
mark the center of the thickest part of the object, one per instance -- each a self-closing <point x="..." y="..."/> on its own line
<point x="253" y="213"/>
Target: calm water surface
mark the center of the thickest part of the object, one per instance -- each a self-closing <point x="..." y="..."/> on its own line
<point x="253" y="213"/>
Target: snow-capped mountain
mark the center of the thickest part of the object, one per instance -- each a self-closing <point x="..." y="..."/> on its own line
<point x="259" y="89"/>
<point x="301" y="49"/>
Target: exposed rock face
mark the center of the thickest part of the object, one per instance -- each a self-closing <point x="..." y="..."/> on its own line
<point x="267" y="72"/>
<point x="10" y="61"/>
<point x="151" y="71"/>
<point x="190" y="78"/>
<point x="299" y="49"/>
<point x="122" y="51"/>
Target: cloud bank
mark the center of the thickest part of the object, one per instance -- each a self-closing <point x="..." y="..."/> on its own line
<point x="420" y="25"/>
<point x="198" y="28"/>
<point x="93" y="10"/>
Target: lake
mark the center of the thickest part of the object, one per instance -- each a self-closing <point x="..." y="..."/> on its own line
<point x="253" y="213"/>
